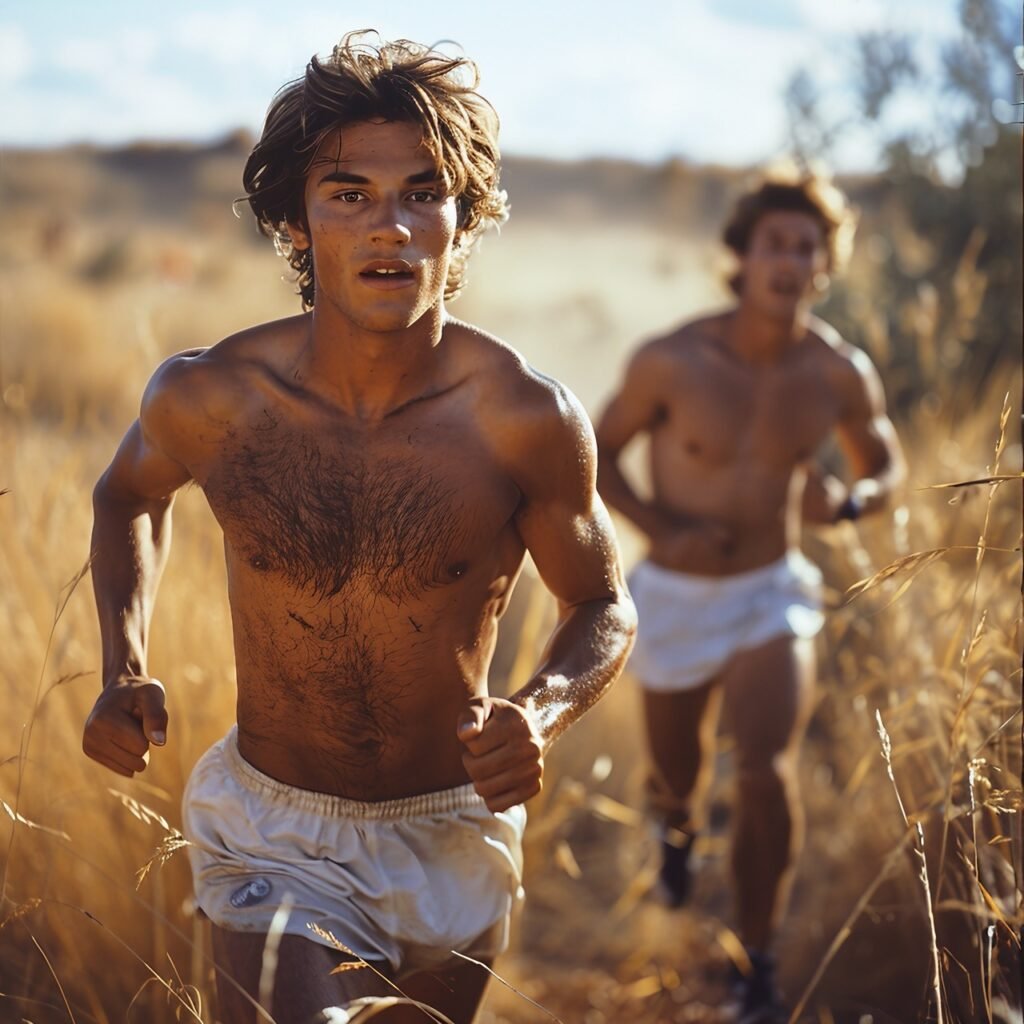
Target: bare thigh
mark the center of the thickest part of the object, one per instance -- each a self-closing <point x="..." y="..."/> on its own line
<point x="681" y="726"/>
<point x="301" y="983"/>
<point x="767" y="696"/>
<point x="456" y="991"/>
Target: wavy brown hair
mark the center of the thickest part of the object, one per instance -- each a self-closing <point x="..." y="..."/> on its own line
<point x="388" y="81"/>
<point x="811" y="193"/>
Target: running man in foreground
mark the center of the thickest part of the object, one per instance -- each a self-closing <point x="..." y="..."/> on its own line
<point x="736" y="406"/>
<point x="379" y="471"/>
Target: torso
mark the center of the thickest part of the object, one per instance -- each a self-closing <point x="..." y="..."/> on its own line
<point x="732" y="437"/>
<point x="367" y="568"/>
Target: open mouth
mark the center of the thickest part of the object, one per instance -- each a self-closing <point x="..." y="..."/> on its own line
<point x="786" y="289"/>
<point x="390" y="273"/>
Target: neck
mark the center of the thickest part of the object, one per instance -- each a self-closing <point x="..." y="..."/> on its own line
<point x="758" y="338"/>
<point x="369" y="374"/>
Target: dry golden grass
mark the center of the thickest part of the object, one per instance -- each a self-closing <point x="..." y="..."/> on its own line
<point x="908" y="893"/>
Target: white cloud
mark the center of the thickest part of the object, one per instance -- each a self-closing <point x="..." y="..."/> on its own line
<point x="923" y="18"/>
<point x="108" y="57"/>
<point x="227" y="37"/>
<point x="16" y="57"/>
<point x="695" y="84"/>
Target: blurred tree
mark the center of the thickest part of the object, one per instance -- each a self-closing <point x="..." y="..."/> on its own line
<point x="948" y="216"/>
<point x="810" y="133"/>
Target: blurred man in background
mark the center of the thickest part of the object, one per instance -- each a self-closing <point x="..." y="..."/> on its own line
<point x="379" y="470"/>
<point x="735" y="406"/>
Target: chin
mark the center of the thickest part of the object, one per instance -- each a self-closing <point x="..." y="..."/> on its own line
<point x="386" y="324"/>
<point x="383" y="321"/>
<point x="771" y="307"/>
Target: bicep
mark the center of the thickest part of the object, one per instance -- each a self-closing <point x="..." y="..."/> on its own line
<point x="635" y="408"/>
<point x="866" y="434"/>
<point x="141" y="471"/>
<point x="564" y="523"/>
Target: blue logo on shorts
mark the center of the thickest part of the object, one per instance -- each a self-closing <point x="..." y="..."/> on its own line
<point x="250" y="894"/>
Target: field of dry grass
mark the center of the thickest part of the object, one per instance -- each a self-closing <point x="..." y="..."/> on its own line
<point x="911" y="876"/>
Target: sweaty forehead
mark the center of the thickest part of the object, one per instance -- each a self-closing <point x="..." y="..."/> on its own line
<point x="375" y="144"/>
<point x="792" y="223"/>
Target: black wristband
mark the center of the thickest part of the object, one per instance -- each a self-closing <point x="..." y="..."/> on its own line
<point x="850" y="509"/>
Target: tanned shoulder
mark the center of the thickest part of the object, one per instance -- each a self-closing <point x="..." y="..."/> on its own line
<point x="851" y="367"/>
<point x="535" y="423"/>
<point x="195" y="397"/>
<point x="687" y="339"/>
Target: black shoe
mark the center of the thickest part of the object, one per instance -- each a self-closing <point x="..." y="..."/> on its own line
<point x="759" y="1000"/>
<point x="676" y="875"/>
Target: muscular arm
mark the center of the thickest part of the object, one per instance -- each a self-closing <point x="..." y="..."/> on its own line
<point x="130" y="543"/>
<point x="634" y="409"/>
<point x="130" y="540"/>
<point x="870" y="445"/>
<point x="568" y="532"/>
<point x="638" y="407"/>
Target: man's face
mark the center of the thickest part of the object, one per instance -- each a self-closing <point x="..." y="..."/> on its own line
<point x="381" y="225"/>
<point x="786" y="253"/>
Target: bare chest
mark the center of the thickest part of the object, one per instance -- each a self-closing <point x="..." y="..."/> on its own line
<point x="720" y="415"/>
<point x="328" y="510"/>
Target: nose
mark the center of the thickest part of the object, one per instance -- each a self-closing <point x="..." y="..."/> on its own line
<point x="388" y="227"/>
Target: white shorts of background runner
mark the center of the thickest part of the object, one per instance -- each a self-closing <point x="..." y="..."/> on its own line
<point x="398" y="881"/>
<point x="690" y="626"/>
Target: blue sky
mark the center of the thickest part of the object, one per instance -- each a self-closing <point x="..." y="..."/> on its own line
<point x="700" y="79"/>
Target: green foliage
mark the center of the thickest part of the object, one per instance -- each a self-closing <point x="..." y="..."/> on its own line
<point x="952" y="190"/>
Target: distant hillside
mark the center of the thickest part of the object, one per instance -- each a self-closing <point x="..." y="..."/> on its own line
<point x="195" y="185"/>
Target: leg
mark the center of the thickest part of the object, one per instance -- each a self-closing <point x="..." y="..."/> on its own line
<point x="681" y="738"/>
<point x="767" y="693"/>
<point x="456" y="990"/>
<point x="302" y="983"/>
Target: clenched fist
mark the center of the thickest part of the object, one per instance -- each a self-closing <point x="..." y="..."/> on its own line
<point x="504" y="752"/>
<point x="127" y="716"/>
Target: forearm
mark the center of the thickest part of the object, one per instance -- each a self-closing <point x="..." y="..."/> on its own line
<point x="584" y="657"/>
<point x="872" y="493"/>
<point x="130" y="543"/>
<point x="827" y="500"/>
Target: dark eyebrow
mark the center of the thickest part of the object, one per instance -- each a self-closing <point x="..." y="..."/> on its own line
<point x="423" y="178"/>
<point x="347" y="178"/>
<point x="344" y="178"/>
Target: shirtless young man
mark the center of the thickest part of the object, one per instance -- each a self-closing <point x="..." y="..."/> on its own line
<point x="379" y="471"/>
<point x="735" y="406"/>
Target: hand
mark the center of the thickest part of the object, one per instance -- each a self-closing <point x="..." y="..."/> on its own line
<point x="504" y="753"/>
<point x="824" y="495"/>
<point x="127" y="716"/>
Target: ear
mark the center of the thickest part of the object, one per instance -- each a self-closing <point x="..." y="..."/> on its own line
<point x="821" y="282"/>
<point x="298" y="232"/>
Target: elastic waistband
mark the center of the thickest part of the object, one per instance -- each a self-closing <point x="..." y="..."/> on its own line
<point x="793" y="561"/>
<point x="328" y="805"/>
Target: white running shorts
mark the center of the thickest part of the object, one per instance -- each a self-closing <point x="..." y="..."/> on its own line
<point x="690" y="626"/>
<point x="403" y="881"/>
